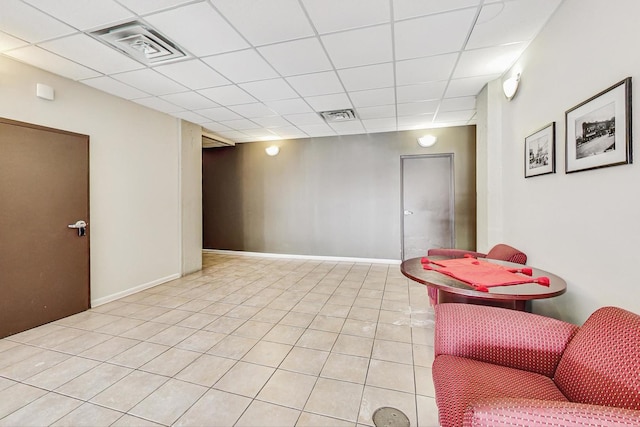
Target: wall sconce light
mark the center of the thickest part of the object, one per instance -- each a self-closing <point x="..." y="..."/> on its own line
<point x="272" y="150"/>
<point x="427" y="141"/>
<point x="510" y="86"/>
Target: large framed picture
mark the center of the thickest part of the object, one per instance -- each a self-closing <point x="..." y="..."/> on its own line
<point x="598" y="131"/>
<point x="540" y="152"/>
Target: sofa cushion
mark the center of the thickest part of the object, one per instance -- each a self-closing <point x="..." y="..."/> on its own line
<point x="601" y="364"/>
<point x="459" y="381"/>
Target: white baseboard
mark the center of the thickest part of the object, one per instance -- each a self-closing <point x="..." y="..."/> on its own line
<point x="308" y="257"/>
<point x="130" y="291"/>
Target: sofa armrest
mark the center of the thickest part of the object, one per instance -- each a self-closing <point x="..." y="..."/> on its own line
<point x="454" y="253"/>
<point x="501" y="336"/>
<point x="530" y="412"/>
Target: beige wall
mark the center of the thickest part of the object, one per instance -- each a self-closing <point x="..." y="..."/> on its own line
<point x="330" y="196"/>
<point x="191" y="196"/>
<point x="582" y="226"/>
<point x="134" y="175"/>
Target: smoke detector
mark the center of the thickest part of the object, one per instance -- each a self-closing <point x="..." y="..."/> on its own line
<point x="140" y="42"/>
<point x="334" y="116"/>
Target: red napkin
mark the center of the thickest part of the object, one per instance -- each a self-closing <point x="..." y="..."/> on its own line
<point x="482" y="275"/>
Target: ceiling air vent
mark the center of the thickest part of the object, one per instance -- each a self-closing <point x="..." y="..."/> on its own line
<point x="338" y="115"/>
<point x="140" y="42"/>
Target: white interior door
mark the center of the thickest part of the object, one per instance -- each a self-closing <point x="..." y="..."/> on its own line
<point x="427" y="204"/>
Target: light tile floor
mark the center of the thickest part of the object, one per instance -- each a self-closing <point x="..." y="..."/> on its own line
<point x="247" y="341"/>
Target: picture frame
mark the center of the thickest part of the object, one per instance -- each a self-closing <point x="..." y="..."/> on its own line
<point x="598" y="130"/>
<point x="540" y="152"/>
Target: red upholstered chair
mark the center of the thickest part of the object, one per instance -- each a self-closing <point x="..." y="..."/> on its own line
<point x="497" y="367"/>
<point x="500" y="251"/>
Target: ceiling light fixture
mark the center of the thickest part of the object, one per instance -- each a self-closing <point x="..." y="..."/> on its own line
<point x="510" y="86"/>
<point x="427" y="141"/>
<point x="272" y="150"/>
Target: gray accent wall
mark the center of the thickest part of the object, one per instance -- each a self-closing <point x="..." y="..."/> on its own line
<point x="330" y="196"/>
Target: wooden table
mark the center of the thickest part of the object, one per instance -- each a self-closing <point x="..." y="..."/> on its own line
<point x="516" y="297"/>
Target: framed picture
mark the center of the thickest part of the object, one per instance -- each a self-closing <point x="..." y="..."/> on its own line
<point x="540" y="152"/>
<point x="599" y="130"/>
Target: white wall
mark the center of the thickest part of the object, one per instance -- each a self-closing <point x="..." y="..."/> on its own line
<point x="191" y="196"/>
<point x="582" y="226"/>
<point x="134" y="175"/>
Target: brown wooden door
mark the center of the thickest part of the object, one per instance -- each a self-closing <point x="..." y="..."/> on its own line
<point x="44" y="186"/>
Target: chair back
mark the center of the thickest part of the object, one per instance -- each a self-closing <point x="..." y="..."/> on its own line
<point x="507" y="253"/>
<point x="601" y="364"/>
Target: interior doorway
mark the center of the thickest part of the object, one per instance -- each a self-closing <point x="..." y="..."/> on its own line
<point x="44" y="189"/>
<point x="428" y="203"/>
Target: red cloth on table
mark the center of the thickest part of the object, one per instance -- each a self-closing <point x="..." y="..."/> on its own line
<point x="482" y="275"/>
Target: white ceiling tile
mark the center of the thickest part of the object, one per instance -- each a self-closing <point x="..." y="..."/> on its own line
<point x="84" y="14"/>
<point x="352" y="14"/>
<point x="373" y="97"/>
<point x="240" y="124"/>
<point x="264" y="22"/>
<point x="235" y="135"/>
<point x="297" y="57"/>
<point x="253" y="110"/>
<point x="329" y="102"/>
<point x="219" y="114"/>
<point x="228" y="95"/>
<point x="41" y="58"/>
<point x="261" y="134"/>
<point x="208" y="33"/>
<point x="8" y="42"/>
<point x="317" y="130"/>
<point x="378" y="112"/>
<point x="359" y="47"/>
<point x="510" y="22"/>
<point x="193" y="74"/>
<point x="242" y="66"/>
<point x="158" y="104"/>
<point x="428" y="69"/>
<point x="304" y="119"/>
<point x="458" y="104"/>
<point x="490" y="60"/>
<point x="415" y="108"/>
<point x="368" y="77"/>
<point x="421" y="92"/>
<point x="40" y="26"/>
<point x="403" y="9"/>
<point x="150" y="81"/>
<point x="114" y="87"/>
<point x="190" y="116"/>
<point x="290" y="132"/>
<point x="289" y="106"/>
<point x="269" y="90"/>
<point x="455" y="116"/>
<point x="380" y="125"/>
<point x="432" y="35"/>
<point x="142" y="7"/>
<point x="88" y="51"/>
<point x="468" y="86"/>
<point x="190" y="101"/>
<point x="348" y="128"/>
<point x="215" y="127"/>
<point x="271" y="122"/>
<point x="423" y="121"/>
<point x="316" y="84"/>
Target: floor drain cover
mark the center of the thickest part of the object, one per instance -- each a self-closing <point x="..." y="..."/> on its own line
<point x="390" y="417"/>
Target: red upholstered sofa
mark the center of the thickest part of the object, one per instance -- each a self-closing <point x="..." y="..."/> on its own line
<point x="497" y="367"/>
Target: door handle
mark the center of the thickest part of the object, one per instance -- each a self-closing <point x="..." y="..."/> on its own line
<point x="406" y="212"/>
<point x="81" y="226"/>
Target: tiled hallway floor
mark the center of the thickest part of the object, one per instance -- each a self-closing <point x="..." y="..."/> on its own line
<point x="247" y="341"/>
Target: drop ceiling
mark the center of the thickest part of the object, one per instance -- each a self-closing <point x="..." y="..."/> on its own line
<point x="263" y="69"/>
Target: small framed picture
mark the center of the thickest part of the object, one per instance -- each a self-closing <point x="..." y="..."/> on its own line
<point x="598" y="131"/>
<point x="540" y="152"/>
